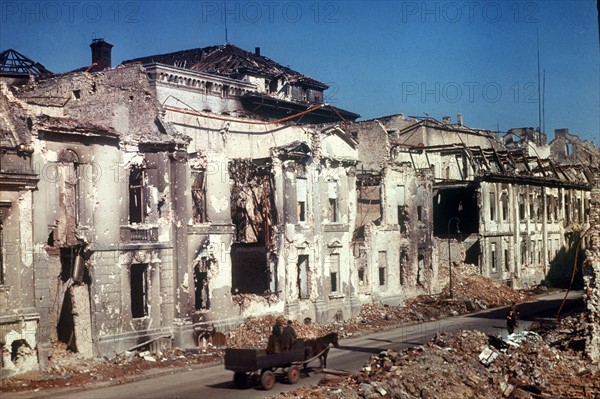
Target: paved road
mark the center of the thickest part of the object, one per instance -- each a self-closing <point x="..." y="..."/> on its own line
<point x="215" y="382"/>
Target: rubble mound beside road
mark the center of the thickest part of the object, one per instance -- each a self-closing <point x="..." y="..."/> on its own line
<point x="470" y="293"/>
<point x="470" y="364"/>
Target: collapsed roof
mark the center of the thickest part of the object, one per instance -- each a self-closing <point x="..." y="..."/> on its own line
<point x="232" y="62"/>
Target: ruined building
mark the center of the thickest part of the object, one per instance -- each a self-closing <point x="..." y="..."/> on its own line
<point x="433" y="194"/>
<point x="175" y="192"/>
<point x="271" y="187"/>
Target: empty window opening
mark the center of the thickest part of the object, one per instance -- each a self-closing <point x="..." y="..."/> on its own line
<point x="303" y="273"/>
<point x="492" y="206"/>
<point x="522" y="208"/>
<point x="539" y="251"/>
<point x="202" y="293"/>
<point x="136" y="195"/>
<point x="301" y="198"/>
<point x="523" y="251"/>
<point x="76" y="94"/>
<point x="334" y="272"/>
<point x="419" y="213"/>
<point x="199" y="196"/>
<point x="381" y="275"/>
<point x="531" y="207"/>
<point x="506" y="260"/>
<point x="250" y="269"/>
<point x="461" y="203"/>
<point x="361" y="276"/>
<point x="504" y="201"/>
<point x="139" y="290"/>
<point x="493" y="258"/>
<point x="334" y="281"/>
<point x="382" y="262"/>
<point x="14" y="348"/>
<point x="333" y="201"/>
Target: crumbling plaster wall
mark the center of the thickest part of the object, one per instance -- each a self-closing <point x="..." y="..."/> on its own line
<point x="591" y="273"/>
<point x="106" y="119"/>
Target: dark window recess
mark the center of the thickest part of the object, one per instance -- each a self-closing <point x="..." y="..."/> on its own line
<point x="301" y="211"/>
<point x="493" y="258"/>
<point x="139" y="290"/>
<point x="136" y="196"/>
<point x="67" y="258"/>
<point x="334" y="282"/>
<point x="361" y="275"/>
<point x="506" y="260"/>
<point x="504" y="207"/>
<point x="199" y="196"/>
<point x="250" y="269"/>
<point x="492" y="206"/>
<point x="333" y="210"/>
<point x="456" y="202"/>
<point x="382" y="276"/>
<point x="402" y="218"/>
<point x="302" y="276"/>
<point x="522" y="209"/>
<point x="419" y="213"/>
<point x="201" y="285"/>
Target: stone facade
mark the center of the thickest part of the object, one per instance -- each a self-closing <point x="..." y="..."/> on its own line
<point x="165" y="196"/>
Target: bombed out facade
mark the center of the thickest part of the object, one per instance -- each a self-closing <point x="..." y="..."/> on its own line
<point x="176" y="192"/>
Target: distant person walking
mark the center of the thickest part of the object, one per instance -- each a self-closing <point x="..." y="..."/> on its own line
<point x="512" y="318"/>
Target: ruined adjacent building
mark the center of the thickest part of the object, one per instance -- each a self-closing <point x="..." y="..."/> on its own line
<point x="437" y="194"/>
<point x="181" y="191"/>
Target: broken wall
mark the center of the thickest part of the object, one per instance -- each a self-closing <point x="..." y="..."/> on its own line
<point x="591" y="271"/>
<point x="91" y="131"/>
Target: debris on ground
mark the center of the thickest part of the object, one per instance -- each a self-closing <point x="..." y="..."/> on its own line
<point x="471" y="364"/>
<point x="70" y="369"/>
<point x="470" y="293"/>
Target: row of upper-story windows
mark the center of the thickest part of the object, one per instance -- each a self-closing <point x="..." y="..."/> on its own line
<point x="533" y="207"/>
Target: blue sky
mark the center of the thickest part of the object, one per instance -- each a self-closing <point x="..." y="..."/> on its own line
<point x="478" y="58"/>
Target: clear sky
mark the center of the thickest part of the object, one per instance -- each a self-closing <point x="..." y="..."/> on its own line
<point x="440" y="58"/>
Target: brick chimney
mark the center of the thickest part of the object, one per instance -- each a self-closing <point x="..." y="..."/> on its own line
<point x="101" y="53"/>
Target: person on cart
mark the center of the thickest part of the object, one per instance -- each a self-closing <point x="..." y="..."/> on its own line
<point x="289" y="336"/>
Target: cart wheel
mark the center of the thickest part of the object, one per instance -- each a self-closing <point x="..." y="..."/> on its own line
<point x="240" y="379"/>
<point x="267" y="379"/>
<point x="293" y="374"/>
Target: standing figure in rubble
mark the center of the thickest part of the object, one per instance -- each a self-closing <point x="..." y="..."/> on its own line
<point x="512" y="318"/>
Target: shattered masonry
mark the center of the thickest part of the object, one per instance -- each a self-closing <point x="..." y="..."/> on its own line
<point x="182" y="191"/>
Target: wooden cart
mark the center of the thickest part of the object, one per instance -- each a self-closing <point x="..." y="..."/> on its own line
<point x="247" y="363"/>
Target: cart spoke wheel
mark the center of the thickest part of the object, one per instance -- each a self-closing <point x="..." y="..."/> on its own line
<point x="267" y="379"/>
<point x="293" y="374"/>
<point x="240" y="379"/>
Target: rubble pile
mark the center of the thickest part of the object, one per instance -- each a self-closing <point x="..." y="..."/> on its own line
<point x="471" y="364"/>
<point x="71" y="369"/>
<point x="469" y="293"/>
